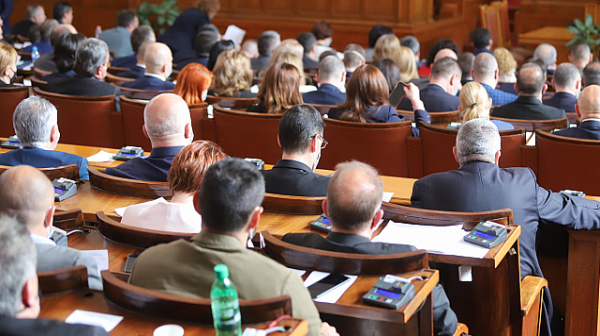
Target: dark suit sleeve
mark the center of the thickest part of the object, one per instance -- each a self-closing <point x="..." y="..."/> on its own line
<point x="444" y="318"/>
<point x="420" y="115"/>
<point x="392" y="116"/>
<point x="7" y="9"/>
<point x="572" y="212"/>
<point x="415" y="199"/>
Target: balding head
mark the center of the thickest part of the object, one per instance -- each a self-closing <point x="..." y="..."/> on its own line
<point x="27" y="194"/>
<point x="158" y="59"/>
<point x="547" y="53"/>
<point x="588" y="104"/>
<point x="485" y="69"/>
<point x="167" y="121"/>
<point x="531" y="80"/>
<point x="581" y="55"/>
<point x="445" y="53"/>
<point x="59" y="31"/>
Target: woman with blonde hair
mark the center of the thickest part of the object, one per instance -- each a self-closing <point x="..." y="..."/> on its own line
<point x="193" y="83"/>
<point x="475" y="103"/>
<point x="385" y="46"/>
<point x="279" y="91"/>
<point x="233" y="75"/>
<point x="290" y="58"/>
<point x="507" y="66"/>
<point x="8" y="65"/>
<point x="406" y="62"/>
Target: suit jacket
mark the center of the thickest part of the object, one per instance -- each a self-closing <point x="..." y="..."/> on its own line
<point x="289" y="177"/>
<point x="435" y="99"/>
<point x="43" y="158"/>
<point x="444" y="318"/>
<point x="482" y="50"/>
<point x="60" y="74"/>
<point x="181" y="35"/>
<point x="327" y="94"/>
<point x="588" y="129"/>
<point x="186" y="57"/>
<point x="149" y="83"/>
<point x="528" y="108"/>
<point x="52" y="258"/>
<point x="152" y="168"/>
<point x="507" y="87"/>
<point x="260" y="62"/>
<point x="135" y="72"/>
<point x="6" y="8"/>
<point x="163" y="268"/>
<point x="46" y="62"/>
<point x="22" y="28"/>
<point x="82" y="86"/>
<point x="563" y="101"/>
<point x="308" y="62"/>
<point x="11" y="326"/>
<point x="421" y="83"/>
<point x="118" y="40"/>
<point x="124" y="62"/>
<point x="44" y="47"/>
<point x="386" y="114"/>
<point x="499" y="97"/>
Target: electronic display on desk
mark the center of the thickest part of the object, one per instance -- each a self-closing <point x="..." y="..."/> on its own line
<point x="484" y="235"/>
<point x="487" y="234"/>
<point x="63" y="189"/>
<point x="128" y="153"/>
<point x="390" y="292"/>
<point x="321" y="224"/>
<point x="60" y="191"/>
<point x="387" y="293"/>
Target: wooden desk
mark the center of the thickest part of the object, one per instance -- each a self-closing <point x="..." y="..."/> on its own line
<point x="556" y="36"/>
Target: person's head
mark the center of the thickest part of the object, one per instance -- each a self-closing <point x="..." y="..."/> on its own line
<point x="280" y="89"/>
<point x="46" y="29"/>
<point x="332" y="71"/>
<point x="390" y="71"/>
<point x="412" y="43"/>
<point x="506" y="62"/>
<point x="404" y="57"/>
<point x="581" y="55"/>
<point x="366" y="87"/>
<point x="141" y="52"/>
<point x="474" y="102"/>
<point x="445" y="53"/>
<point x="588" y="103"/>
<point x="308" y="42"/>
<point x="63" y="12"/>
<point x="18" y="279"/>
<point x="567" y="79"/>
<point x="65" y="49"/>
<point x="36" y="124"/>
<point x="209" y="7"/>
<point x="323" y="32"/>
<point x="485" y="69"/>
<point x="35" y="13"/>
<point x="35" y="33"/>
<point x="541" y="64"/>
<point x="59" y="31"/>
<point x="327" y="53"/>
<point x="477" y="140"/>
<point x="190" y="164"/>
<point x="446" y="73"/>
<point x="167" y="121"/>
<point x="8" y="63"/>
<point x="354" y="56"/>
<point x="591" y="74"/>
<point x="547" y="53"/>
<point x="531" y="80"/>
<point x="267" y="42"/>
<point x="376" y="32"/>
<point x="291" y="58"/>
<point x="140" y="35"/>
<point x="250" y="48"/>
<point x="158" y="59"/>
<point x="439" y="45"/>
<point x="216" y="50"/>
<point x="128" y="19"/>
<point x="193" y="83"/>
<point x="91" y="58"/>
<point x="354" y="198"/>
<point x="205" y="40"/>
<point x="301" y="134"/>
<point x="465" y="62"/>
<point x="230" y="197"/>
<point x="232" y="73"/>
<point x="288" y="46"/>
<point x="385" y="47"/>
<point x="481" y="38"/>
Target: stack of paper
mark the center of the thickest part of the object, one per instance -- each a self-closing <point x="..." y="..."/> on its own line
<point x="106" y="321"/>
<point x="335" y="294"/>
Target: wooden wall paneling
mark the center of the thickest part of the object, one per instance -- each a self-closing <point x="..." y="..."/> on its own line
<point x="246" y="6"/>
<point x="384" y="10"/>
<point x="321" y="8"/>
<point x="534" y="14"/>
<point x="278" y="7"/>
<point x="346" y="9"/>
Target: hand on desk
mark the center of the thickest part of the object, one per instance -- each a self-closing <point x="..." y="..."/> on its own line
<point x="328" y="330"/>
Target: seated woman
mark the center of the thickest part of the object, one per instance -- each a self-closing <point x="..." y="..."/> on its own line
<point x="506" y="70"/>
<point x="64" y="56"/>
<point x="279" y="91"/>
<point x="233" y="75"/>
<point x="216" y="50"/>
<point x="407" y="63"/>
<point x="289" y="51"/>
<point x="193" y="83"/>
<point x="185" y="179"/>
<point x="385" y="47"/>
<point x="367" y="95"/>
<point x="390" y="71"/>
<point x="8" y="65"/>
<point x="475" y="103"/>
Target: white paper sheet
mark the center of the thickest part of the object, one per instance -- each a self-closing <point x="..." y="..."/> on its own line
<point x="335" y="294"/>
<point x="101" y="156"/>
<point x="121" y="211"/>
<point x="436" y="239"/>
<point x="106" y="321"/>
<point x="234" y="33"/>
<point x="387" y="196"/>
<point x="26" y="82"/>
<point x="101" y="257"/>
<point x="299" y="272"/>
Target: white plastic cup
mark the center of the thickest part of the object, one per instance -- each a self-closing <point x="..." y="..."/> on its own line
<point x="169" y="330"/>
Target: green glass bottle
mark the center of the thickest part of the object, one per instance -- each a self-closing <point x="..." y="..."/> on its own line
<point x="225" y="305"/>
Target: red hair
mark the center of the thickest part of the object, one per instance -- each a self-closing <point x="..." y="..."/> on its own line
<point x="193" y="79"/>
<point x="190" y="164"/>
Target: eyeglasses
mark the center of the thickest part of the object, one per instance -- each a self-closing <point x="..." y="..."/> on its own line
<point x="324" y="142"/>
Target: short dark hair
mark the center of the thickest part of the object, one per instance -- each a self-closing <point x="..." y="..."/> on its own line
<point x="64" y="51"/>
<point x="297" y="128"/>
<point x="308" y="40"/>
<point x="327" y="53"/>
<point x="530" y="84"/>
<point x="566" y="74"/>
<point x="377" y="31"/>
<point x="267" y="42"/>
<point x="140" y="35"/>
<point x="216" y="50"/>
<point x="231" y="189"/>
<point x="591" y="74"/>
<point x="481" y="37"/>
<point x="390" y="71"/>
<point x="126" y="18"/>
<point x="322" y="30"/>
<point x="445" y="67"/>
<point x="60" y="9"/>
<point x="439" y="45"/>
<point x="411" y="42"/>
<point x="465" y="62"/>
<point x="205" y="39"/>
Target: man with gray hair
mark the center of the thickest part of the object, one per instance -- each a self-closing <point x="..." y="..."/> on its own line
<point x="35" y="123"/>
<point x="567" y="85"/>
<point x="353" y="206"/>
<point x="412" y="43"/>
<point x="332" y="80"/>
<point x="267" y="42"/>
<point x="159" y="66"/>
<point x="354" y="56"/>
<point x="588" y="109"/>
<point x="480" y="185"/>
<point x="547" y="53"/>
<point x="485" y="72"/>
<point x="34" y="14"/>
<point x="168" y="125"/>
<point x="581" y="55"/>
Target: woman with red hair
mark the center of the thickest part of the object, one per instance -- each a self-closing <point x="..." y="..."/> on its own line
<point x="193" y="83"/>
<point x="279" y="91"/>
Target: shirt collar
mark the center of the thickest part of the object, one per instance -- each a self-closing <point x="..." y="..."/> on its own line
<point x="155" y="75"/>
<point x="591" y="119"/>
<point x="165" y="151"/>
<point x="42" y="240"/>
<point x="293" y="164"/>
<point x="216" y="241"/>
<point x="141" y="65"/>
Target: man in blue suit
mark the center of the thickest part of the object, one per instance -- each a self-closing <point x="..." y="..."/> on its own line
<point x="485" y="72"/>
<point x="35" y="122"/>
<point x="332" y="79"/>
<point x="567" y="84"/>
<point x="159" y="65"/>
<point x="588" y="109"/>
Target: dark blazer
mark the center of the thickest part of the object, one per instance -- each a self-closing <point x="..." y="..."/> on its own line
<point x="46" y="63"/>
<point x="327" y="94"/>
<point x="386" y="114"/>
<point x="186" y="57"/>
<point x="43" y="158"/>
<point x="563" y="101"/>
<point x="11" y="326"/>
<point x="481" y="50"/>
<point x="289" y="177"/>
<point x="135" y="72"/>
<point x="507" y="87"/>
<point x="420" y="82"/>
<point x="149" y="83"/>
<point x="124" y="62"/>
<point x="260" y="62"/>
<point x="82" y="86"/>
<point x="6" y="8"/>
<point x="435" y="99"/>
<point x="22" y="28"/>
<point x="444" y="318"/>
<point x="308" y="62"/>
<point x="528" y="108"/>
<point x="57" y="75"/>
<point x="152" y="168"/>
<point x="588" y="129"/>
<point x="181" y="35"/>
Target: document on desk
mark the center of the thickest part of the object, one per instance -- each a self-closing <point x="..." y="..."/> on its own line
<point x="335" y="294"/>
<point x="101" y="156"/>
<point x="121" y="211"/>
<point x="435" y="239"/>
<point x="387" y="196"/>
<point x="101" y="257"/>
<point x="105" y="321"/>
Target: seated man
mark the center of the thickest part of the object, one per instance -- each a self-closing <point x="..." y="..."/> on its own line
<point x="139" y="35"/>
<point x="267" y="42"/>
<point x="353" y="206"/>
<point x="588" y="109"/>
<point x="309" y="44"/>
<point x="581" y="55"/>
<point x="480" y="185"/>
<point x="28" y="195"/>
<point x="229" y="201"/>
<point x="301" y="140"/>
<point x="35" y="122"/>
<point x="547" y="53"/>
<point x="118" y="39"/>
<point x="44" y="45"/>
<point x="140" y="68"/>
<point x="485" y="72"/>
<point x="63" y="12"/>
<point x="530" y="86"/>
<point x="19" y="302"/>
<point x="332" y="79"/>
<point x="207" y="36"/>
<point x="46" y="61"/>
<point x="465" y="62"/>
<point x="354" y="56"/>
<point x="159" y="66"/>
<point x="482" y="41"/>
<point x="412" y="42"/>
<point x="168" y="125"/>
<point x="34" y="14"/>
<point x="591" y="74"/>
<point x="567" y="84"/>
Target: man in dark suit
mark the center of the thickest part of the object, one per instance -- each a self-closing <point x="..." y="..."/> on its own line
<point x="168" y="125"/>
<point x="34" y="14"/>
<point x="139" y="36"/>
<point x="588" y="109"/>
<point x="35" y="122"/>
<point x="465" y="61"/>
<point x="139" y="69"/>
<point x="46" y="61"/>
<point x="267" y="42"/>
<point x="485" y="71"/>
<point x="567" y="84"/>
<point x="159" y="65"/>
<point x="20" y="303"/>
<point x="301" y="140"/>
<point x="530" y="86"/>
<point x="309" y="43"/>
<point x="480" y="185"/>
<point x="353" y="206"/>
<point x="6" y="8"/>
<point x="482" y="41"/>
<point x="207" y="36"/>
<point x="332" y="79"/>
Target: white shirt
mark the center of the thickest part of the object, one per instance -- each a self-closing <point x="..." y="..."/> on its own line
<point x="155" y="75"/>
<point x="163" y="216"/>
<point x="42" y="240"/>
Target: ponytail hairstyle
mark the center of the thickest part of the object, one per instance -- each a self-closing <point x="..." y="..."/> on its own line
<point x="474" y="102"/>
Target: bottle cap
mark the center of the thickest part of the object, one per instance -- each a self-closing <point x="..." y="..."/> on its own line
<point x="221" y="272"/>
<point x="34" y="48"/>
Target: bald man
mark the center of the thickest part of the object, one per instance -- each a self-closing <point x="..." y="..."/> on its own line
<point x="567" y="85"/>
<point x="588" y="109"/>
<point x="581" y="55"/>
<point x="159" y="65"/>
<point x="46" y="61"/>
<point x="28" y="195"/>
<point x="485" y="71"/>
<point x="353" y="206"/>
<point x="547" y="53"/>
<point x="168" y="125"/>
<point x="530" y="87"/>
